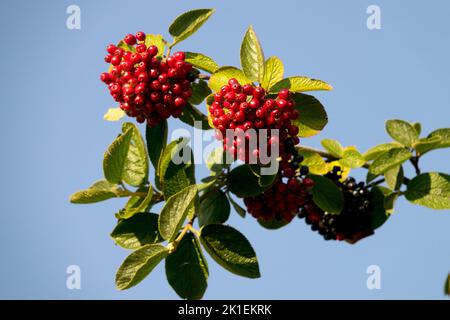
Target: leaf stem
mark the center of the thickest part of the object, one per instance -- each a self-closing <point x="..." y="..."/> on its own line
<point x="415" y="162"/>
<point x="193" y="230"/>
<point x="204" y="76"/>
<point x="376" y="182"/>
<point x="182" y="234"/>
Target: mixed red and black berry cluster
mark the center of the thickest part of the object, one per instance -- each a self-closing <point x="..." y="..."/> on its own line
<point x="288" y="194"/>
<point x="147" y="87"/>
<point x="354" y="221"/>
<point x="241" y="108"/>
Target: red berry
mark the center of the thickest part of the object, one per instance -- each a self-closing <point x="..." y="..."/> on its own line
<point x="141" y="48"/>
<point x="248" y="89"/>
<point x="111" y="48"/>
<point x="232" y="81"/>
<point x="254" y="104"/>
<point x="307" y="182"/>
<point x="179" y="102"/>
<point x="119" y="52"/>
<point x="140" y="36"/>
<point x="180" y="56"/>
<point x="130" y="39"/>
<point x="281" y="103"/>
<point x="104" y="77"/>
<point x="258" y="92"/>
<point x="115" y="60"/>
<point x="152" y="51"/>
<point x="284" y="94"/>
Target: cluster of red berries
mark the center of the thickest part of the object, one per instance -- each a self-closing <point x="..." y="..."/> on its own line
<point x="289" y="192"/>
<point x="241" y="108"/>
<point x="147" y="87"/>
<point x="355" y="219"/>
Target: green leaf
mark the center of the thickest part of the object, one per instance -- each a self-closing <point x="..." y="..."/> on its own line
<point x="380" y="214"/>
<point x="139" y="264"/>
<point x="114" y="114"/>
<point x="444" y="133"/>
<point x="394" y="177"/>
<point x="216" y="161"/>
<point x="156" y="142"/>
<point x="300" y="84"/>
<point x="214" y="208"/>
<point x="427" y="144"/>
<point x="314" y="162"/>
<point x="139" y="205"/>
<point x="273" y="72"/>
<point x="187" y="269"/>
<point x="252" y="56"/>
<point x="447" y="286"/>
<point x="352" y="158"/>
<point x="313" y="117"/>
<point x="431" y="190"/>
<point x="244" y="183"/>
<point x="125" y="46"/>
<point x="376" y="151"/>
<point x="438" y="139"/>
<point x="240" y="211"/>
<point x="136" y="163"/>
<point x="267" y="180"/>
<point x="209" y="100"/>
<point x="402" y="132"/>
<point x="418" y="127"/>
<point x="136" y="200"/>
<point x="389" y="160"/>
<point x="200" y="91"/>
<point x="156" y="40"/>
<point x="389" y="201"/>
<point x="191" y="114"/>
<point x="333" y="147"/>
<point x="201" y="61"/>
<point x="138" y="231"/>
<point x="273" y="224"/>
<point x="175" y="177"/>
<point x="188" y="23"/>
<point x="116" y="157"/>
<point x="230" y="249"/>
<point x="326" y="194"/>
<point x="222" y="75"/>
<point x="99" y="191"/>
<point x="264" y="180"/>
<point x="175" y="212"/>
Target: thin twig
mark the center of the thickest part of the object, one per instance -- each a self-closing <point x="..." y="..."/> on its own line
<point x="376" y="182"/>
<point x="415" y="162"/>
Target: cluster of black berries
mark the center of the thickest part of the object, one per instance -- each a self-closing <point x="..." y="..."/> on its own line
<point x="241" y="108"/>
<point x="147" y="87"/>
<point x="289" y="192"/>
<point x="355" y="219"/>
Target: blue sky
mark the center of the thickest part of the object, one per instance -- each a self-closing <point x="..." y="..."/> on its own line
<point x="53" y="138"/>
